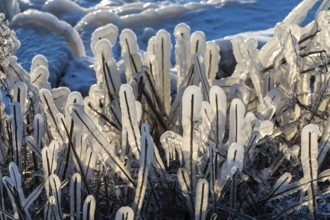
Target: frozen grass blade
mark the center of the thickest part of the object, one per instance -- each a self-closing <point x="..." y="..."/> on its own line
<point x="197" y="43"/>
<point x="17" y="132"/>
<point x="202" y="193"/>
<point x="54" y="196"/>
<point x="145" y="163"/>
<point x="324" y="144"/>
<point x="236" y="119"/>
<point x="191" y="116"/>
<point x="309" y="153"/>
<point x="39" y="77"/>
<point x="33" y="146"/>
<point x="51" y="112"/>
<point x="104" y="152"/>
<point x="75" y="196"/>
<point x="163" y="75"/>
<point x="129" y="120"/>
<point x="49" y="158"/>
<point x="218" y="102"/>
<point x="89" y="208"/>
<point x="182" y="51"/>
<point x="13" y="184"/>
<point x="107" y="69"/>
<point x="125" y="213"/>
<point x="199" y="67"/>
<point x="184" y="182"/>
<point x="212" y="59"/>
<point x="129" y="52"/>
<point x="108" y="32"/>
<point x="20" y="94"/>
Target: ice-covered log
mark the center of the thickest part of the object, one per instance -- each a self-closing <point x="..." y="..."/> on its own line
<point x="50" y="22"/>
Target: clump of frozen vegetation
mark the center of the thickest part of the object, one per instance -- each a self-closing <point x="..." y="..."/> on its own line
<point x="251" y="146"/>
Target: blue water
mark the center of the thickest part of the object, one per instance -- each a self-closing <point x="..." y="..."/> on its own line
<point x="228" y="18"/>
<point x="234" y="18"/>
<point x="215" y="21"/>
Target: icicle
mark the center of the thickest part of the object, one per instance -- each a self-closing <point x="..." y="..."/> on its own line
<point x="172" y="143"/>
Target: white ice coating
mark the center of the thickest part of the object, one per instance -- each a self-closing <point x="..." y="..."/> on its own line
<point x="50" y="22"/>
<point x="38" y="60"/>
<point x="39" y="77"/>
<point x="298" y="14"/>
<point x="236" y="119"/>
<point x="212" y="59"/>
<point x="197" y="43"/>
<point x="102" y="50"/>
<point x="109" y="32"/>
<point x="126" y="211"/>
<point x="235" y="157"/>
<point x="163" y="48"/>
<point x="133" y="15"/>
<point x="191" y="115"/>
<point x="98" y="18"/>
<point x="182" y="51"/>
<point x="10" y="8"/>
<point x="129" y="53"/>
<point x="59" y="7"/>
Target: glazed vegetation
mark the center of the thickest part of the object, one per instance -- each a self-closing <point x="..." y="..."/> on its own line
<point x="171" y="146"/>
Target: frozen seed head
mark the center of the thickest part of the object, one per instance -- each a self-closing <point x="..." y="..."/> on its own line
<point x="8" y="40"/>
